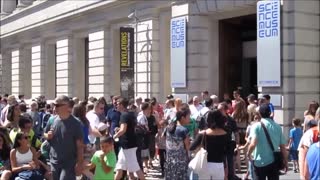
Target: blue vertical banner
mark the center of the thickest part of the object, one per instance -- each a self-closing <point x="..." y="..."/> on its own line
<point x="268" y="43"/>
<point x="178" y="46"/>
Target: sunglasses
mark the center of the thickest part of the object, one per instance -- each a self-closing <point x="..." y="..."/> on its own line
<point x="59" y="105"/>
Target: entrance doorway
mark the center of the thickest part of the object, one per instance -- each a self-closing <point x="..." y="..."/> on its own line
<point x="237" y="60"/>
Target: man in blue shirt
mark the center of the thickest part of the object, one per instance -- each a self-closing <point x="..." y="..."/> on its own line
<point x="294" y="139"/>
<point x="113" y="119"/>
<point x="113" y="116"/>
<point x="263" y="157"/>
<point x="312" y="165"/>
<point x="271" y="107"/>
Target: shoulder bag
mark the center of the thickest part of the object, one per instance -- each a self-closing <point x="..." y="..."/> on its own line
<point x="200" y="161"/>
<point x="278" y="157"/>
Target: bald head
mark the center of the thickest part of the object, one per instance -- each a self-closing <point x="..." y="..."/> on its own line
<point x="195" y="100"/>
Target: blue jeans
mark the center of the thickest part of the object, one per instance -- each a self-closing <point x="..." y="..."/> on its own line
<point x="194" y="176"/>
<point x="230" y="166"/>
<point x="251" y="170"/>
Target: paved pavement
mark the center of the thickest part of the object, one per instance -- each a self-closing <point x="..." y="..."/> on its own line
<point x="155" y="173"/>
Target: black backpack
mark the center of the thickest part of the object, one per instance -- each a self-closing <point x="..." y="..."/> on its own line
<point x="202" y="121"/>
<point x="45" y="120"/>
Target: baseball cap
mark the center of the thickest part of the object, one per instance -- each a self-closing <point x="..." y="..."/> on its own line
<point x="170" y="96"/>
<point x="102" y="126"/>
<point x="214" y="96"/>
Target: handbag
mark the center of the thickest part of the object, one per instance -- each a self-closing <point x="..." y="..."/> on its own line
<point x="30" y="174"/>
<point x="200" y="161"/>
<point x="278" y="157"/>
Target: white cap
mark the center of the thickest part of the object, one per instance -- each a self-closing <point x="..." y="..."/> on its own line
<point x="102" y="126"/>
<point x="213" y="96"/>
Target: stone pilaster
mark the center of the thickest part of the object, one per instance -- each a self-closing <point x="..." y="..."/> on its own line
<point x="108" y="82"/>
<point x="6" y="72"/>
<point x="164" y="55"/>
<point x="26" y="71"/>
<point x="154" y="62"/>
<point x="49" y="62"/>
<point x="197" y="50"/>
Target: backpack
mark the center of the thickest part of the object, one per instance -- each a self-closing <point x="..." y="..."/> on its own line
<point x="202" y="121"/>
<point x="45" y="120"/>
<point x="315" y="137"/>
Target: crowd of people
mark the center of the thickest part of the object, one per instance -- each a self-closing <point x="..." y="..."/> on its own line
<point x="122" y="139"/>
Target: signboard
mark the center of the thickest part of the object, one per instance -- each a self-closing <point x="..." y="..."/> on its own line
<point x="268" y="43"/>
<point x="127" y="62"/>
<point x="178" y="45"/>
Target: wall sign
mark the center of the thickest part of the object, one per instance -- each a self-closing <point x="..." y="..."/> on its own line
<point x="178" y="52"/>
<point x="268" y="43"/>
<point x="127" y="62"/>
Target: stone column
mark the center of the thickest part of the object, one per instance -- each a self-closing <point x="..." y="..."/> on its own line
<point x="50" y="71"/>
<point x="7" y="6"/>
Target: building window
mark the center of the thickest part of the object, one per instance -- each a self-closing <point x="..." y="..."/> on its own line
<point x="62" y="67"/>
<point x="15" y="63"/>
<point x="36" y="71"/>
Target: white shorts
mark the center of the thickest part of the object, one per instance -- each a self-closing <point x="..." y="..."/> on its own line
<point x="127" y="160"/>
<point x="215" y="171"/>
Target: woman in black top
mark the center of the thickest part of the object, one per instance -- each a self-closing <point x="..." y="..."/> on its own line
<point x="215" y="142"/>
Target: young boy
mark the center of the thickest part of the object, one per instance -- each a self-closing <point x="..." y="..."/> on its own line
<point x="161" y="145"/>
<point x="295" y="137"/>
<point x="104" y="161"/>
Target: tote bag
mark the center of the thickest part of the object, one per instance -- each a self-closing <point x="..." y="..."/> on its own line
<point x="200" y="161"/>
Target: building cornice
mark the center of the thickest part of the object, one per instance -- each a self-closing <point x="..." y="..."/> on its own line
<point x="73" y="13"/>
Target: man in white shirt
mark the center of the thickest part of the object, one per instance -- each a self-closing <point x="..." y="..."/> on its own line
<point x="4" y="112"/>
<point x="93" y="117"/>
<point x="195" y="107"/>
<point x="308" y="138"/>
<point x="138" y="104"/>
